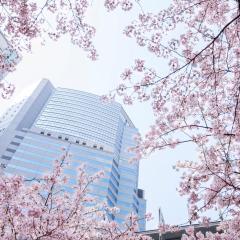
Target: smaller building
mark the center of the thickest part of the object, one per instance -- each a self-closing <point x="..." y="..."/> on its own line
<point x="8" y="57"/>
<point x="8" y="116"/>
<point x="155" y="235"/>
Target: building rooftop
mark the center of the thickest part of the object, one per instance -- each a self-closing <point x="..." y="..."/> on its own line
<point x="178" y="234"/>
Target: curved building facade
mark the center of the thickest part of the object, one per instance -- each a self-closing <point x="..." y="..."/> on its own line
<point x="95" y="133"/>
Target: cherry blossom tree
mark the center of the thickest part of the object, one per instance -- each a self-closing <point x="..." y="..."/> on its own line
<point x="195" y="100"/>
<point x="43" y="208"/>
<point x="22" y="21"/>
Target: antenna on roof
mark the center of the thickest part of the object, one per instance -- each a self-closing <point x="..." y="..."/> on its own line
<point x="160" y="221"/>
<point x="160" y="217"/>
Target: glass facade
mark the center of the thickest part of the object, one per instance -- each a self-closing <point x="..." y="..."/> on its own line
<point x="81" y="115"/>
<point x="95" y="133"/>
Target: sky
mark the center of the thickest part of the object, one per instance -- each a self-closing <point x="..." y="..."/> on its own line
<point x="67" y="66"/>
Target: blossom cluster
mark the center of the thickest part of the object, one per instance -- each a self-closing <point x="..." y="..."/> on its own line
<point x="195" y="99"/>
<point x="43" y="208"/>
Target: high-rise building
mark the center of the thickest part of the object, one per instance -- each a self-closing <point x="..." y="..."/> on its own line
<point x="95" y="133"/>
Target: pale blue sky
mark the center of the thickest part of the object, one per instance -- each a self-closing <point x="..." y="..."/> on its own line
<point x="67" y="66"/>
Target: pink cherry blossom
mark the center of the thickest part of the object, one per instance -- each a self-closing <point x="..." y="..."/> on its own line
<point x="195" y="100"/>
<point x="43" y="209"/>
